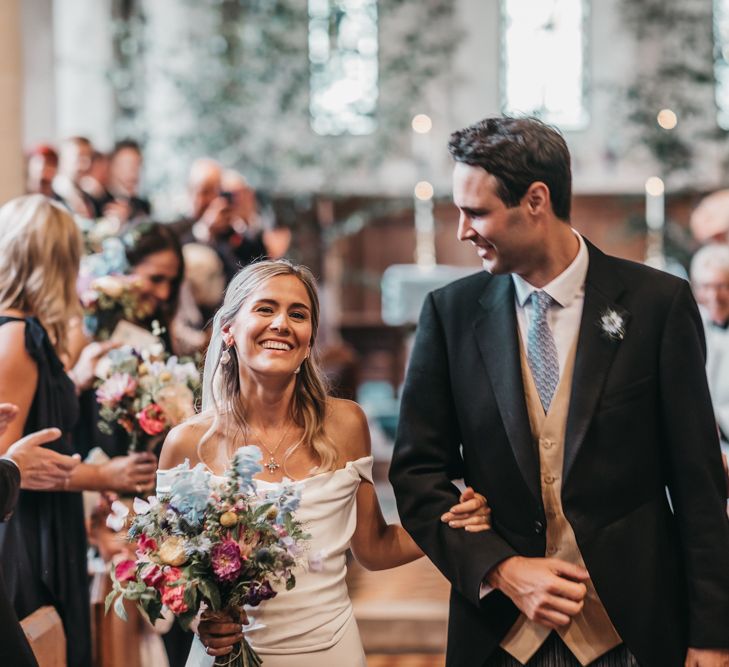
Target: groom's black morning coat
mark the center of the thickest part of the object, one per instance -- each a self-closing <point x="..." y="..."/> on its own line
<point x="640" y="420"/>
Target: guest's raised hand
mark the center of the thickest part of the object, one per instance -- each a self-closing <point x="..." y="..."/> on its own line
<point x="220" y="631"/>
<point x="84" y="372"/>
<point x="471" y="513"/>
<point x="131" y="474"/>
<point x="8" y="412"/>
<point x="41" y="468"/>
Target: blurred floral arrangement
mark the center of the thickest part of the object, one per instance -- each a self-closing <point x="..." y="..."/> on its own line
<point x="210" y="543"/>
<point x="107" y="295"/>
<point x="146" y="392"/>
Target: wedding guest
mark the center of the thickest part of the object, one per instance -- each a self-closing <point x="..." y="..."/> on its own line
<point x="245" y="236"/>
<point x="125" y="169"/>
<point x="710" y="220"/>
<point x="95" y="183"/>
<point x="74" y="163"/>
<point x="263" y="387"/>
<point x="211" y="217"/>
<point x="41" y="169"/>
<point x="710" y="280"/>
<point x="26" y="465"/>
<point x="208" y="211"/>
<point x="43" y="545"/>
<point x="156" y="261"/>
<point x="154" y="258"/>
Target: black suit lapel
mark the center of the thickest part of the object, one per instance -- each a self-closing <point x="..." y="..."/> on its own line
<point x="595" y="351"/>
<point x="498" y="342"/>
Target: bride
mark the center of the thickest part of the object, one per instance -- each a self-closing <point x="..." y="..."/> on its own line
<point x="262" y="386"/>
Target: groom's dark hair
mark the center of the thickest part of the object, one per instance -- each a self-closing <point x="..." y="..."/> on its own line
<point x="518" y="152"/>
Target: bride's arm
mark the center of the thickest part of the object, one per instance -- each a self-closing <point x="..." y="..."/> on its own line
<point x="376" y="544"/>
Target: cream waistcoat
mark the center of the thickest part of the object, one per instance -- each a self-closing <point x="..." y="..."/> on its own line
<point x="590" y="634"/>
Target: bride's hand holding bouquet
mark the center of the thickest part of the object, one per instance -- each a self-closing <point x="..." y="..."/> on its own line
<point x="212" y="542"/>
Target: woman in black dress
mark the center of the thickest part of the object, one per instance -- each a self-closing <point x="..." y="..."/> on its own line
<point x="43" y="546"/>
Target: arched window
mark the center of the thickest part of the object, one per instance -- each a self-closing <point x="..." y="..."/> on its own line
<point x="543" y="60"/>
<point x="343" y="68"/>
<point x="721" y="62"/>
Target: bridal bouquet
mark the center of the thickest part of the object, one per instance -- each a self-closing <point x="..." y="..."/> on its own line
<point x="145" y="392"/>
<point x="210" y="541"/>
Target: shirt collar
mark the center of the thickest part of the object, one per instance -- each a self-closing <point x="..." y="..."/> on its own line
<point x="565" y="287"/>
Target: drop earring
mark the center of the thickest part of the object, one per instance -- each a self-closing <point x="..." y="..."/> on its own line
<point x="225" y="356"/>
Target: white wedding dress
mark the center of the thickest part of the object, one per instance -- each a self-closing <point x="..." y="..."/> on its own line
<point x="312" y="625"/>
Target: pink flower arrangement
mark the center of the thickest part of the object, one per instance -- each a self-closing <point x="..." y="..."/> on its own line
<point x="146" y="393"/>
<point x="115" y="388"/>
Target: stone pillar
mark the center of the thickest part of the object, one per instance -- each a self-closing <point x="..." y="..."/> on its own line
<point x="82" y="32"/>
<point x="39" y="86"/>
<point x="11" y="74"/>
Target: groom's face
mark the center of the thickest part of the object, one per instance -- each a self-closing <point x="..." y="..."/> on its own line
<point x="501" y="235"/>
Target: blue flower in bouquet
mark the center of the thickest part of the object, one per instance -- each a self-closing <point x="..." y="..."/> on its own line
<point x="286" y="498"/>
<point x="189" y="492"/>
<point x="111" y="260"/>
<point x="246" y="463"/>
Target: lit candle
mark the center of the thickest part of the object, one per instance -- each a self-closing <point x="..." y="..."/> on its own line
<point x="655" y="203"/>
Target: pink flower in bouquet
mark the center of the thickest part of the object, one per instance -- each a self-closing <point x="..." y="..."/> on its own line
<point x="115" y="389"/>
<point x="177" y="402"/>
<point x="126" y="570"/>
<point x="152" y="575"/>
<point x="152" y="419"/>
<point x="172" y="574"/>
<point x="173" y="597"/>
<point x="226" y="560"/>
<point x="146" y="544"/>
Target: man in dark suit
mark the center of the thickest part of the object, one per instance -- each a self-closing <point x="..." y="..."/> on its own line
<point x="568" y="387"/>
<point x="30" y="466"/>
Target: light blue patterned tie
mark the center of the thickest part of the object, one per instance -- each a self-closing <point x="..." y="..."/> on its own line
<point x="541" y="350"/>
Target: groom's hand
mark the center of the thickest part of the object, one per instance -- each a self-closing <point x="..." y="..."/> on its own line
<point x="548" y="591"/>
<point x="707" y="657"/>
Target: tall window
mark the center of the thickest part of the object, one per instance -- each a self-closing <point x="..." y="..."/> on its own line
<point x="543" y="60"/>
<point x="343" y="66"/>
<point x="721" y="62"/>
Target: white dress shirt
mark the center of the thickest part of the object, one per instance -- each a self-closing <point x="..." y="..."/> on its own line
<point x="563" y="317"/>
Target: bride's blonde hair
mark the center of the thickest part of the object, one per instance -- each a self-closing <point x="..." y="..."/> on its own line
<point x="41" y="249"/>
<point x="309" y="404"/>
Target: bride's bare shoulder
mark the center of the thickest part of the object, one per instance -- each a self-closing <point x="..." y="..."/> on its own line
<point x="346" y="425"/>
<point x="182" y="441"/>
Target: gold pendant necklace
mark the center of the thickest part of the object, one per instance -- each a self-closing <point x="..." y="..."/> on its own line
<point x="273" y="465"/>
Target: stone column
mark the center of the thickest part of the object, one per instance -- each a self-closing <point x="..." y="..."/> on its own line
<point x="82" y="31"/>
<point x="11" y="74"/>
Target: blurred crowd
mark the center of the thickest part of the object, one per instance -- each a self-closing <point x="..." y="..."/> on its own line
<point x="226" y="224"/>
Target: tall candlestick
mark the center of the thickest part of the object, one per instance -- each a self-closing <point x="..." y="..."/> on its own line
<point x="655" y="206"/>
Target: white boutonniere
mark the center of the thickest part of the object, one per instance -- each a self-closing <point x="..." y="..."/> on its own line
<point x="612" y="324"/>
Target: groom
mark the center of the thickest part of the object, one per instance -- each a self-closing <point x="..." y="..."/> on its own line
<point x="568" y="387"/>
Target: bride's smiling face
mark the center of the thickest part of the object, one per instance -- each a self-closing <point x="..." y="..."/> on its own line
<point x="272" y="330"/>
